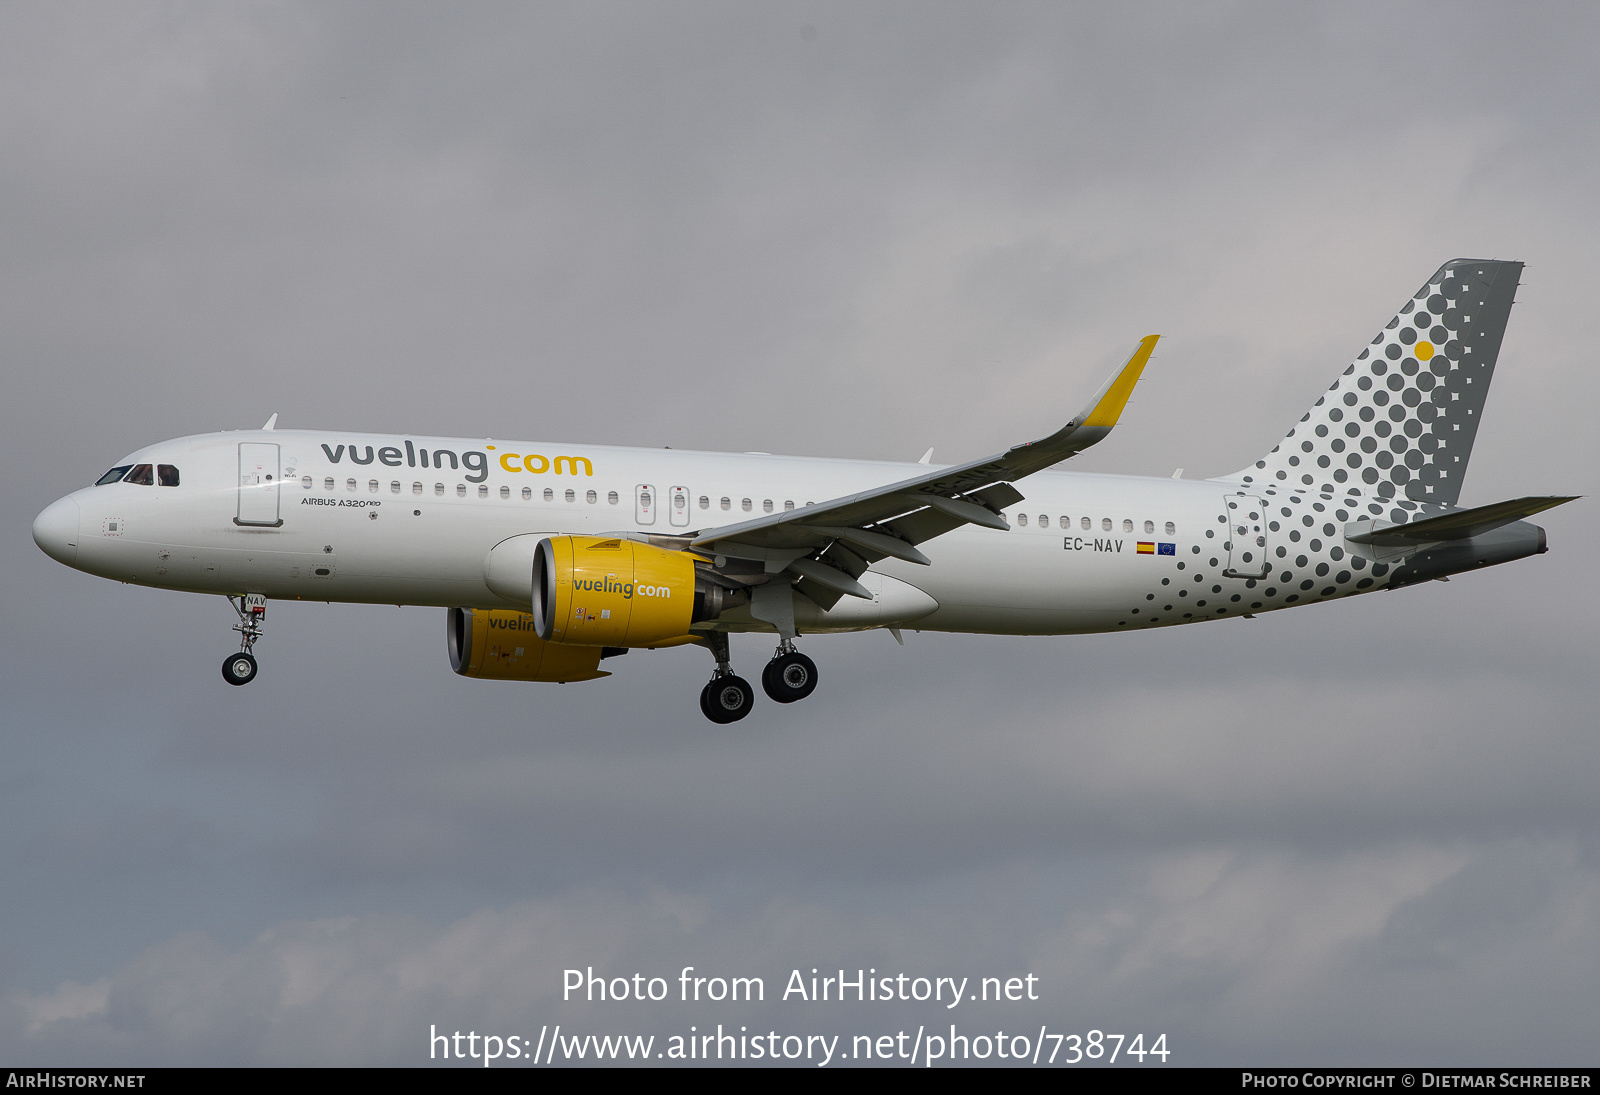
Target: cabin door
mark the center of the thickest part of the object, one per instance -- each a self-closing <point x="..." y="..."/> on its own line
<point x="1247" y="536"/>
<point x="259" y="482"/>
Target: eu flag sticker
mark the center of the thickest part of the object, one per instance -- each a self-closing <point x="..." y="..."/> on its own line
<point x="1166" y="549"/>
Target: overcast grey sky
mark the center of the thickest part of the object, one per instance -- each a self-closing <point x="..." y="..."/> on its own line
<point x="1361" y="834"/>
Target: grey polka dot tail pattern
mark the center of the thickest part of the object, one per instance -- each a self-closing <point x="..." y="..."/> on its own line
<point x="1400" y="421"/>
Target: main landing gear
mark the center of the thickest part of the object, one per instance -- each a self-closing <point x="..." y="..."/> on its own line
<point x="728" y="697"/>
<point x="241" y="668"/>
<point x="789" y="676"/>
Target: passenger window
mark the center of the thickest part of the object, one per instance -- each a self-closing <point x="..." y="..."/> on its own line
<point x="372" y="485"/>
<point x="113" y="476"/>
<point x="1149" y="528"/>
<point x="142" y="475"/>
<point x="1105" y="524"/>
<point x="505" y="492"/>
<point x="438" y="490"/>
<point x="591" y="498"/>
<point x="680" y="501"/>
<point x="1172" y="529"/>
<point x="744" y="504"/>
<point x="461" y="490"/>
<point x="1086" y="525"/>
<point x="726" y="504"/>
<point x="416" y="488"/>
<point x="305" y="481"/>
<point x="705" y="503"/>
<point x="611" y="498"/>
<point x="766" y="505"/>
<point x="483" y="490"/>
<point x="549" y="495"/>
<point x="1044" y="521"/>
<point x="527" y="494"/>
<point x="349" y="484"/>
<point x="167" y="476"/>
<point x="1127" y="525"/>
<point x="1022" y="519"/>
<point x="788" y="504"/>
<point x="1066" y="522"/>
<point x="394" y="486"/>
<point x="327" y="484"/>
<point x="572" y="496"/>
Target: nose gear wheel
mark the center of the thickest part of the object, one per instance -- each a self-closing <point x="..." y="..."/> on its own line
<point x="239" y="668"/>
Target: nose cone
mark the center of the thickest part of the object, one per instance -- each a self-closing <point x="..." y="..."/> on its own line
<point x="56" y="531"/>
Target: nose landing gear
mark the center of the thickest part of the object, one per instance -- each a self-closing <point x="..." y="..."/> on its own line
<point x="790" y="675"/>
<point x="241" y="668"/>
<point x="727" y="697"/>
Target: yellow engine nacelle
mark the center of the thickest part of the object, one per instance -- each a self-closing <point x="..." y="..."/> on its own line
<point x="504" y="646"/>
<point x="606" y="591"/>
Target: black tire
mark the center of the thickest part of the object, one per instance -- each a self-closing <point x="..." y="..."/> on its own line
<point x="239" y="668"/>
<point x="727" y="699"/>
<point x="789" y="677"/>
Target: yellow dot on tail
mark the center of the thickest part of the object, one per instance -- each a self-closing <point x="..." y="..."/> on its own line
<point x="1424" y="351"/>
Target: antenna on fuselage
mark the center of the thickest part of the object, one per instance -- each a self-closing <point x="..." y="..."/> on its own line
<point x="272" y="423"/>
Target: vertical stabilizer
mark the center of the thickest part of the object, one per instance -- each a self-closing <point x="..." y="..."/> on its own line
<point x="1402" y="418"/>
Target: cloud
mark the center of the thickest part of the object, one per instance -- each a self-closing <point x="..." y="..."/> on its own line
<point x="1476" y="953"/>
<point x="70" y="1001"/>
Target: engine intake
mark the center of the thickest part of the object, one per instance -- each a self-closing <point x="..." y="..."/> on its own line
<point x="609" y="591"/>
<point x="495" y="644"/>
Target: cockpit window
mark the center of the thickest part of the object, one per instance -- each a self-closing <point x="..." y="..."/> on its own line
<point x="166" y="475"/>
<point x="142" y="475"/>
<point x="113" y="476"/>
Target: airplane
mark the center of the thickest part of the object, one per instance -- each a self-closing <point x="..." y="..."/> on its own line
<point x="551" y="558"/>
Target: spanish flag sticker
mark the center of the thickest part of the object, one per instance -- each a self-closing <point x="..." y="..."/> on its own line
<point x="1146" y="547"/>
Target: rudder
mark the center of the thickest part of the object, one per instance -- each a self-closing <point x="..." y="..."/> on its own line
<point x="1401" y="420"/>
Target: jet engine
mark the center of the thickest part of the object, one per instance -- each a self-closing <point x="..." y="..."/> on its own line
<point x="503" y="646"/>
<point x="610" y="591"/>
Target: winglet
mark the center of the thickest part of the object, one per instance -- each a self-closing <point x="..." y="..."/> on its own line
<point x="1110" y="400"/>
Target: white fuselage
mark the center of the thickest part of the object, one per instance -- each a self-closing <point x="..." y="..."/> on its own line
<point x="363" y="519"/>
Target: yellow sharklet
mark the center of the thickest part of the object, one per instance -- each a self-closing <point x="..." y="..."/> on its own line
<point x="1109" y="408"/>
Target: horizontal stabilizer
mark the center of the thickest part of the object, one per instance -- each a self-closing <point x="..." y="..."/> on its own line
<point x="1459" y="525"/>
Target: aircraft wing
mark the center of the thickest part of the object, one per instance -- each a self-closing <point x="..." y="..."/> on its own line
<point x="829" y="545"/>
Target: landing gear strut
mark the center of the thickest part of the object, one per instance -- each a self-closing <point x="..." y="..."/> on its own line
<point x="728" y="697"/>
<point x="790" y="675"/>
<point x="240" y="668"/>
